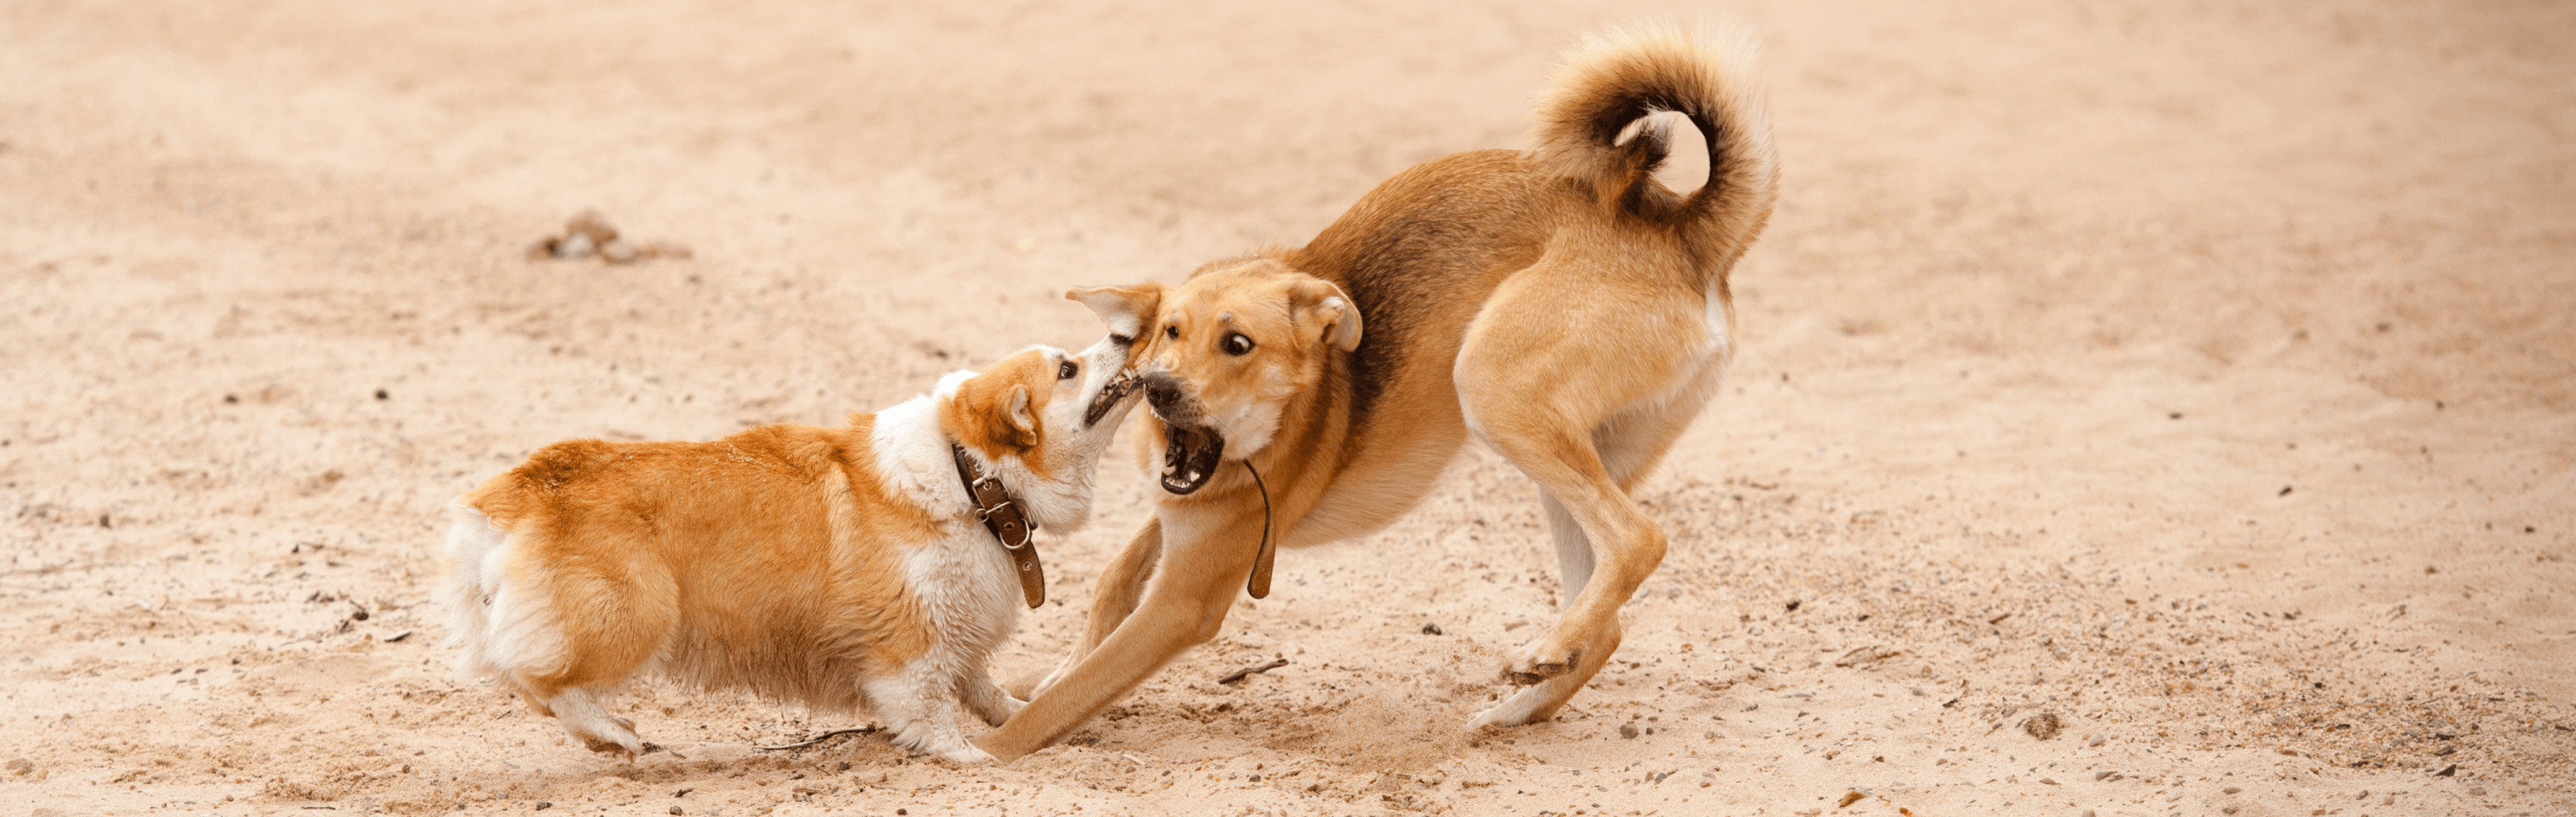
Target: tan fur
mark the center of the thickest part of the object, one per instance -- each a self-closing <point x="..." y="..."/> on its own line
<point x="1558" y="304"/>
<point x="784" y="560"/>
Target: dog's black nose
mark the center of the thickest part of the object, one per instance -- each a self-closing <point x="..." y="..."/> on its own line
<point x="1164" y="393"/>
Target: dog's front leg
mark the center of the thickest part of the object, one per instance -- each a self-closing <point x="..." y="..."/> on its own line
<point x="1122" y="586"/>
<point x="1207" y="551"/>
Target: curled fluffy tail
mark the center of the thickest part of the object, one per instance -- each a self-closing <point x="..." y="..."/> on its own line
<point x="1605" y="86"/>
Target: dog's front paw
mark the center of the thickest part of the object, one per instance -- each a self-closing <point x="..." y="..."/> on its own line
<point x="613" y="748"/>
<point x="968" y="755"/>
<point x="1539" y="661"/>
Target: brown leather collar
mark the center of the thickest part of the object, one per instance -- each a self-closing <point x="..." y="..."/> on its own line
<point x="1000" y="512"/>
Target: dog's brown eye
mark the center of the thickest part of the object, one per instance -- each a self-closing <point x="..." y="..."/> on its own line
<point x="1067" y="371"/>
<point x="1173" y="331"/>
<point x="1238" y="345"/>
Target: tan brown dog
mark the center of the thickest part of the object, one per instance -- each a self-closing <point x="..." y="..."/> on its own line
<point x="838" y="567"/>
<point x="1560" y="305"/>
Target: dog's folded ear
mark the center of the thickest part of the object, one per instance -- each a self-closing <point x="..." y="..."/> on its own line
<point x="991" y="412"/>
<point x="1320" y="306"/>
<point x="1125" y="309"/>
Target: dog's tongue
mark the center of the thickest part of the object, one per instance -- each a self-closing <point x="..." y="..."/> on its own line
<point x="1189" y="457"/>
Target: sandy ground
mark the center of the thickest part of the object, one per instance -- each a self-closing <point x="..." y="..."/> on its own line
<point x="2198" y="376"/>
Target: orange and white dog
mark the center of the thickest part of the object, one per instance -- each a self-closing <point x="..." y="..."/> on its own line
<point x="839" y="567"/>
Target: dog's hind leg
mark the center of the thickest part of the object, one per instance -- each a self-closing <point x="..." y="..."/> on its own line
<point x="1629" y="447"/>
<point x="1584" y="414"/>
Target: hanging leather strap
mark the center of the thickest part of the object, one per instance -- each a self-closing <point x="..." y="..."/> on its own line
<point x="1259" y="583"/>
<point x="1001" y="514"/>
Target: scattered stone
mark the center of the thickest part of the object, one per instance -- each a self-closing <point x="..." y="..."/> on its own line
<point x="2093" y="740"/>
<point x="588" y="235"/>
<point x="2230" y="790"/>
<point x="2047" y="782"/>
<point x="543" y="805"/>
<point x="676" y="810"/>
<point x="1627" y="730"/>
<point x="1431" y="629"/>
<point x="572" y="247"/>
<point x="2227" y="810"/>
<point x="620" y="251"/>
<point x="2042" y="726"/>
<point x="1849" y="798"/>
<point x="2448" y="771"/>
<point x="2477" y="791"/>
<point x="397" y="637"/>
<point x="1793" y="605"/>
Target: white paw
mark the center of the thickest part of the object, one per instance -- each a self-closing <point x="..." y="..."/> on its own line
<point x="968" y="756"/>
<point x="1518" y="710"/>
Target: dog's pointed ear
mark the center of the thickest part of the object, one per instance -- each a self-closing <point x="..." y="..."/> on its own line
<point x="1125" y="309"/>
<point x="990" y="411"/>
<point x="1014" y="412"/>
<point x="1319" y="305"/>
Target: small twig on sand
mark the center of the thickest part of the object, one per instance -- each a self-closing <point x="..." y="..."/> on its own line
<point x="1246" y="672"/>
<point x="49" y="570"/>
<point x="819" y="739"/>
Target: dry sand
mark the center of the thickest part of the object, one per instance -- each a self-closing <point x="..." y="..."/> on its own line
<point x="2201" y="378"/>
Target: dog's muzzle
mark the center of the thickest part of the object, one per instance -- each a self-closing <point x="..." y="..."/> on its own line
<point x="1190" y="450"/>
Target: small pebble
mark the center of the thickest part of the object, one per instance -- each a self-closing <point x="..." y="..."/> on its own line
<point x="1431" y="629"/>
<point x="575" y="246"/>
<point x="543" y="805"/>
<point x="676" y="810"/>
<point x="1627" y="730"/>
<point x="618" y="251"/>
<point x="2230" y="790"/>
<point x="2042" y="726"/>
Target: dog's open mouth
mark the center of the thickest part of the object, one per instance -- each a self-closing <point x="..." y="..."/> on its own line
<point x="1189" y="456"/>
<point x="1117" y="390"/>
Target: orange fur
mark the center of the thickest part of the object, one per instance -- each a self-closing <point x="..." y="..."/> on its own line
<point x="785" y="560"/>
